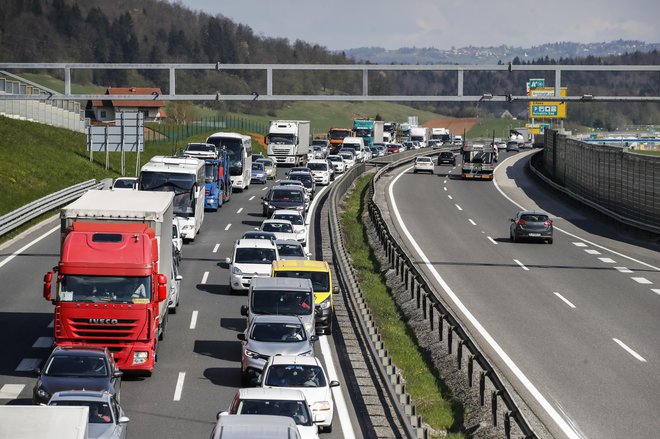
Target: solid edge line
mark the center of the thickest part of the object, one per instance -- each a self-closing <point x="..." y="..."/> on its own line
<point x="27" y="246"/>
<point x="629" y="350"/>
<point x="536" y="394"/>
<point x="340" y="403"/>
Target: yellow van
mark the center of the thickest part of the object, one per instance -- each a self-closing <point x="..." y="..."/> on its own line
<point x="319" y="273"/>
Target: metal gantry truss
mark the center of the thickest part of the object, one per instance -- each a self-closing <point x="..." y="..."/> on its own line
<point x="460" y="70"/>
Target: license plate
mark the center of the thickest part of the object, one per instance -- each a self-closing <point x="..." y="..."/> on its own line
<point x="534" y="234"/>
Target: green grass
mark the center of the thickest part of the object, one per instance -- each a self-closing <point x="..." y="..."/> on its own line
<point x="431" y="397"/>
<point x="58" y="85"/>
<point x="484" y="128"/>
<point x="646" y="152"/>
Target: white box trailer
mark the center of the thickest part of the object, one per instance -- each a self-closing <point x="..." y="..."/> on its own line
<point x="43" y="422"/>
<point x="288" y="141"/>
<point x="152" y="208"/>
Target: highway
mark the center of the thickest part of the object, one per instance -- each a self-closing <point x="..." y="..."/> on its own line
<point x="198" y="368"/>
<point x="573" y="325"/>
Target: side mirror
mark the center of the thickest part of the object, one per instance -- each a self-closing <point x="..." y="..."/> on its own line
<point x="314" y="338"/>
<point x="162" y="287"/>
<point x="118" y="374"/>
<point x="334" y="383"/>
<point x="178" y="277"/>
<point x="241" y="336"/>
<point x="123" y="420"/>
<point x="335" y="289"/>
<point x="217" y="416"/>
<point x="37" y="371"/>
<point x="48" y="279"/>
<point x="244" y="310"/>
<point x="227" y="260"/>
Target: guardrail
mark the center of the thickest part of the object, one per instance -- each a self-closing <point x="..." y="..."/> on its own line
<point x="22" y="215"/>
<point x="433" y="310"/>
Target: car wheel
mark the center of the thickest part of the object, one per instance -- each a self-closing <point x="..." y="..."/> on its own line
<point x="245" y="379"/>
<point x="513" y="236"/>
<point x="550" y="241"/>
<point x="327" y="429"/>
<point x="415" y="171"/>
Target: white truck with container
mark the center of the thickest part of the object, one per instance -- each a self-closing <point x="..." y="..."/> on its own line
<point x="185" y="176"/>
<point x="441" y="135"/>
<point x="44" y="422"/>
<point x="420" y="134"/>
<point x="288" y="141"/>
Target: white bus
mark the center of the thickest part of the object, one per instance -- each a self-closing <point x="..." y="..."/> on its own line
<point x="185" y="177"/>
<point x="239" y="149"/>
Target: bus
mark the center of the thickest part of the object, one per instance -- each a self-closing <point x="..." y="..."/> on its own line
<point x="185" y="177"/>
<point x="239" y="149"/>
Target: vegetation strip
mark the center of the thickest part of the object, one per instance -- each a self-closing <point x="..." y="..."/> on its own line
<point x="423" y="386"/>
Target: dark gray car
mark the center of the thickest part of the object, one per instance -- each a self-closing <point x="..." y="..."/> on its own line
<point x="283" y="197"/>
<point x="531" y="225"/>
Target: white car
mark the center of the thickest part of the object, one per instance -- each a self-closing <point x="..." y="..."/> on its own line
<point x="283" y="229"/>
<point x="320" y="171"/>
<point x="307" y="375"/>
<point x="125" y="183"/>
<point x="251" y="258"/>
<point x="423" y="164"/>
<point x="297" y="221"/>
<point x="281" y="402"/>
<point x="348" y="158"/>
<point x="337" y="163"/>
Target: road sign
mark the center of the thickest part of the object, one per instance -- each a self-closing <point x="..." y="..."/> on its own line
<point x="537" y="128"/>
<point x="535" y="83"/>
<point x="551" y="110"/>
<point x="546" y="92"/>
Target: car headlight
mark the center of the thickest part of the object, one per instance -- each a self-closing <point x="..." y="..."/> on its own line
<point x="41" y="393"/>
<point x="236" y="270"/>
<point x="325" y="304"/>
<point x="321" y="406"/>
<point x="252" y="354"/>
<point x="300" y="207"/>
<point x="140" y="357"/>
<point x="266" y="204"/>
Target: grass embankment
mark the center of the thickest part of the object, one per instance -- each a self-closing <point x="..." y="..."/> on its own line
<point x="426" y="389"/>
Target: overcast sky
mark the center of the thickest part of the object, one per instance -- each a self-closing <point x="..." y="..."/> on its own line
<point x="443" y="24"/>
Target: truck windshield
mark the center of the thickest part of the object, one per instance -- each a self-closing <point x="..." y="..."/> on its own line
<point x="210" y="172"/>
<point x="339" y="134"/>
<point x="281" y="302"/>
<point x="320" y="279"/>
<point x="235" y="151"/>
<point x="109" y="289"/>
<point x="362" y="132"/>
<point x="181" y="184"/>
<point x="282" y="139"/>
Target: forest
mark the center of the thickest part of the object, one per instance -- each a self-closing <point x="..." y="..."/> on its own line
<point x="153" y="31"/>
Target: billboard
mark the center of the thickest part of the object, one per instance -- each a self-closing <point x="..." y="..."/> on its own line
<point x="547" y="109"/>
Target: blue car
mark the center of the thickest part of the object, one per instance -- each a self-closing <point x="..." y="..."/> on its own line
<point x="259" y="173"/>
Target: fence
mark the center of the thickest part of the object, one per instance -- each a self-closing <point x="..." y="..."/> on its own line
<point x="622" y="184"/>
<point x="176" y="133"/>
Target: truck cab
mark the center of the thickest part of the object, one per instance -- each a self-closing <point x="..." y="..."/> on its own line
<point x="357" y="145"/>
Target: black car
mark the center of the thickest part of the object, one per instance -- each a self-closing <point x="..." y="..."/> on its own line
<point x="447" y="157"/>
<point x="77" y="368"/>
<point x="531" y="225"/>
<point x="307" y="179"/>
<point x="283" y="197"/>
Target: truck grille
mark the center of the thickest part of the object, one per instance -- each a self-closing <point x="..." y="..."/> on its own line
<point x="124" y="328"/>
<point x="281" y="150"/>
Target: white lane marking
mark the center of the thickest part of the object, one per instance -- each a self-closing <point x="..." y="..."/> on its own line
<point x="264" y="189"/>
<point x="444" y="182"/>
<point x="607" y="260"/>
<point x="445" y="188"/>
<point x="575" y="236"/>
<point x="11" y="391"/>
<point x="28" y="364"/>
<point x="521" y="264"/>
<point x="630" y="351"/>
<point x="44" y="342"/>
<point x="579" y="244"/>
<point x="205" y="277"/>
<point x="251" y="198"/>
<point x="592" y="251"/>
<point x="340" y="403"/>
<point x="27" y="246"/>
<point x="492" y="240"/>
<point x="51" y="324"/>
<point x="656" y="291"/>
<point x="623" y="269"/>
<point x="215" y="249"/>
<point x="193" y="320"/>
<point x="239" y="210"/>
<point x="450" y="197"/>
<point x="642" y="280"/>
<point x="552" y="412"/>
<point x="472" y="222"/>
<point x="228" y="226"/>
<point x="179" y="386"/>
<point x="458" y="207"/>
<point x="566" y="301"/>
<point x="311" y="209"/>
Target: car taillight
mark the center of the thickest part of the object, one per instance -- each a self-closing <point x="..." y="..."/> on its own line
<point x="521" y="222"/>
<point x="547" y="223"/>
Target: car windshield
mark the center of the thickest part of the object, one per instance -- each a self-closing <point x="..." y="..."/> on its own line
<point x="99" y="412"/>
<point x="288" y="195"/>
<point x="334" y="158"/>
<point x="266" y="162"/>
<point x="320" y="279"/>
<point x="290" y="250"/>
<point x="278" y="332"/>
<point x="281" y="302"/>
<point x="295" y="219"/>
<point x="257" y="235"/>
<point x="317" y="166"/>
<point x="423" y="160"/>
<point x="347" y="156"/>
<point x="295" y="375"/>
<point x="250" y="255"/>
<point x="109" y="289"/>
<point x="121" y="183"/>
<point x="76" y="366"/>
<point x="200" y="147"/>
<point x="257" y="166"/>
<point x="277" y="227"/>
<point x="297" y="410"/>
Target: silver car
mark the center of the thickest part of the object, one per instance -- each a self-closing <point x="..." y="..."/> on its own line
<point x="270" y="335"/>
<point x="107" y="419"/>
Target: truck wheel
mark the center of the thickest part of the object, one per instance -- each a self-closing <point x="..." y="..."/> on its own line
<point x="161" y="335"/>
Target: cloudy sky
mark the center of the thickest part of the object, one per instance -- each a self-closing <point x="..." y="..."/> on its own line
<point x="345" y="24"/>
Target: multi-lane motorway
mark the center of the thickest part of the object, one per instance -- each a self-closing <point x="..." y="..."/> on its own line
<point x="198" y="369"/>
<point x="573" y="325"/>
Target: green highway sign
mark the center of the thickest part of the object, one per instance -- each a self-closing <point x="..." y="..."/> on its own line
<point x="536" y="83"/>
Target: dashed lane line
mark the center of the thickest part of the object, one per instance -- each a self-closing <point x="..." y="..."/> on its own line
<point x="492" y="240"/>
<point x="565" y="300"/>
<point x="629" y="350"/>
<point x="458" y="207"/>
<point x="44" y="342"/>
<point x="28" y="364"/>
<point x="623" y="269"/>
<point x="607" y="260"/>
<point x="642" y="280"/>
<point x="239" y="210"/>
<point x="472" y="222"/>
<point x="592" y="251"/>
<point x="228" y="226"/>
<point x="179" y="386"/>
<point x="579" y="244"/>
<point x="11" y="391"/>
<point x="205" y="277"/>
<point x="656" y="291"/>
<point x="251" y="198"/>
<point x="450" y="197"/>
<point x="193" y="320"/>
<point x="215" y="249"/>
<point x="521" y="264"/>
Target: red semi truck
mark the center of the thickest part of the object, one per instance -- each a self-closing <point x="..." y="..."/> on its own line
<point x="115" y="275"/>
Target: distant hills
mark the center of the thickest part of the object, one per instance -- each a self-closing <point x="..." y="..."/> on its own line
<point x="494" y="55"/>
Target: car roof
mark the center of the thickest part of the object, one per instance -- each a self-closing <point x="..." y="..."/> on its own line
<point x="276" y="220"/>
<point x="272" y="318"/>
<point x="288" y="241"/>
<point x="255" y="426"/>
<point x="255" y="243"/>
<point x="310" y="265"/>
<point x="271" y="393"/>
<point x="288" y="187"/>
<point x="287" y="211"/>
<point x="254" y="234"/>
<point x="281" y="283"/>
<point x="80" y="395"/>
<point x="295" y="359"/>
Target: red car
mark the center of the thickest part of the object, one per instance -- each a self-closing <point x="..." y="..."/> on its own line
<point x="393" y="147"/>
